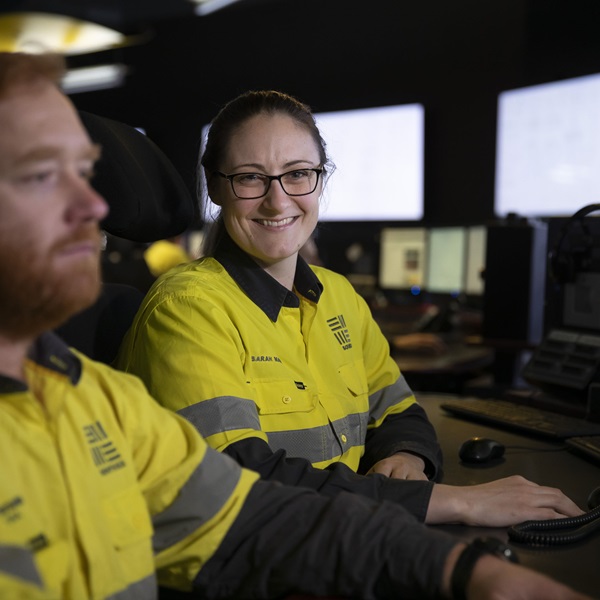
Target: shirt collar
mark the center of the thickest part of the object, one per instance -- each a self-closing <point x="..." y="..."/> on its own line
<point x="265" y="291"/>
<point x="51" y="352"/>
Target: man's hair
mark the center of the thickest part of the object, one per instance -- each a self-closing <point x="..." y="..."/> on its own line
<point x="20" y="68"/>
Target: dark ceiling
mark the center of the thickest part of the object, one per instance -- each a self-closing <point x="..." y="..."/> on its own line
<point x="454" y="57"/>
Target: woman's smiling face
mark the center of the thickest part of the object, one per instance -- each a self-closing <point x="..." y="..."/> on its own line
<point x="274" y="227"/>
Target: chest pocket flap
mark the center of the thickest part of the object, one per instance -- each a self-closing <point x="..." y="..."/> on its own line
<point x="128" y="518"/>
<point x="355" y="378"/>
<point x="278" y="396"/>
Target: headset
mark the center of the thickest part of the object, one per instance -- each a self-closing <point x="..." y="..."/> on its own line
<point x="568" y="259"/>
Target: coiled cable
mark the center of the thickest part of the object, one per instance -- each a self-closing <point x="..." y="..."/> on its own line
<point x="551" y="532"/>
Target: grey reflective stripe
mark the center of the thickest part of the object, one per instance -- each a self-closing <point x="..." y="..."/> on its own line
<point x="224" y="413"/>
<point x="324" y="442"/>
<point x="387" y="397"/>
<point x="316" y="444"/>
<point x="146" y="589"/>
<point x="203" y="495"/>
<point x="18" y="562"/>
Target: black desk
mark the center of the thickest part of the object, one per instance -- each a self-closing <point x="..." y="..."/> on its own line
<point x="446" y="372"/>
<point x="458" y="359"/>
<point x="577" y="565"/>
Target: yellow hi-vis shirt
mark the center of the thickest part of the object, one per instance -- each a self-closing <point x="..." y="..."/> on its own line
<point x="311" y="379"/>
<point x="100" y="487"/>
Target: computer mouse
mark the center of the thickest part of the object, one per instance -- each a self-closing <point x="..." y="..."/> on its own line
<point x="480" y="450"/>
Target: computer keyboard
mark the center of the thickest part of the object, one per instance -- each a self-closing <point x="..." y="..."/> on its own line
<point x="589" y="446"/>
<point x="522" y="418"/>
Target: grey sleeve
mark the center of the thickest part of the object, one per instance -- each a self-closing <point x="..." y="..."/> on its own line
<point x="295" y="541"/>
<point x="256" y="454"/>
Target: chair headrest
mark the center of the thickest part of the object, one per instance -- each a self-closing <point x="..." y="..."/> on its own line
<point x="147" y="196"/>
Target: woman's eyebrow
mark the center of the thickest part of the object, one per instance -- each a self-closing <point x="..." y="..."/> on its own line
<point x="288" y="165"/>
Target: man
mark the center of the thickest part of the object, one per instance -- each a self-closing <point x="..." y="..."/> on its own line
<point x="101" y="490"/>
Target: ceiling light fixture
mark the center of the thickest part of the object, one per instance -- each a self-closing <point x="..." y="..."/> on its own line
<point x="89" y="79"/>
<point x="206" y="7"/>
<point x="42" y="32"/>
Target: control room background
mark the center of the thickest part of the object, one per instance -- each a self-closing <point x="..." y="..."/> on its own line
<point x="453" y="57"/>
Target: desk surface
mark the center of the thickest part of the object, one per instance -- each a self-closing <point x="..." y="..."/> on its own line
<point x="543" y="462"/>
<point x="458" y="358"/>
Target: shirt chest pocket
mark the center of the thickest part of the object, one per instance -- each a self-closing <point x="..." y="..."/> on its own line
<point x="355" y="379"/>
<point x="128" y="518"/>
<point x="355" y="392"/>
<point x="282" y="397"/>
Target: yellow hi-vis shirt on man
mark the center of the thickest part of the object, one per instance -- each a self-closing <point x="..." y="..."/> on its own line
<point x="100" y="487"/>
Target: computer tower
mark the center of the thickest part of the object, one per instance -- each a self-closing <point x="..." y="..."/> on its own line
<point x="515" y="274"/>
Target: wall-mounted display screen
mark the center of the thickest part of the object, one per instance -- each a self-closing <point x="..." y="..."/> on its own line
<point x="379" y="158"/>
<point x="548" y="148"/>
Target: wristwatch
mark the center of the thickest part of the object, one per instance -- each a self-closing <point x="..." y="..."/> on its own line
<point x="470" y="555"/>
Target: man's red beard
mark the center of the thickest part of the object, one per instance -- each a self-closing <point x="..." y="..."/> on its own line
<point x="35" y="295"/>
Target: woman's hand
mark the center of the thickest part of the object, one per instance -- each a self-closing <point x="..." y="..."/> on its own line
<point x="401" y="465"/>
<point x="500" y="503"/>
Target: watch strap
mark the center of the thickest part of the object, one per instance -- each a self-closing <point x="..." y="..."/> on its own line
<point x="470" y="555"/>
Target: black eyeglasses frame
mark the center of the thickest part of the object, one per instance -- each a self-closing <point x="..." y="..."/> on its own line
<point x="271" y="178"/>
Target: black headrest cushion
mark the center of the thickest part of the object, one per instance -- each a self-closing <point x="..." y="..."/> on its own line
<point x="147" y="196"/>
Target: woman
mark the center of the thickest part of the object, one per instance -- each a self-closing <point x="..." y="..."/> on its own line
<point x="281" y="365"/>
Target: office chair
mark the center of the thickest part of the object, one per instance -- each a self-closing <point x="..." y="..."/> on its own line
<point x="148" y="201"/>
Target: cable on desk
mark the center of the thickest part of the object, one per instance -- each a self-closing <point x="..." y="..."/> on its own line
<point x="562" y="448"/>
<point x="547" y="533"/>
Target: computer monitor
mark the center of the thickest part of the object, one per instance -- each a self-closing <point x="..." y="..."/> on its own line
<point x="379" y="158"/>
<point x="573" y="275"/>
<point x="548" y="148"/>
<point x="445" y="267"/>
<point x="475" y="260"/>
<point x="402" y="258"/>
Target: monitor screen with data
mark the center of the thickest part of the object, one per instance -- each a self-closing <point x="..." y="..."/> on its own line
<point x="548" y="148"/>
<point x="446" y="253"/>
<point x="475" y="260"/>
<point x="402" y="258"/>
<point x="444" y="260"/>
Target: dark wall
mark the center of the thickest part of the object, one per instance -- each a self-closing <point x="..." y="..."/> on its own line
<point x="454" y="57"/>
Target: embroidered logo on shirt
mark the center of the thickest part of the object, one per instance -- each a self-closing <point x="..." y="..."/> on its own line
<point x="300" y="385"/>
<point x="338" y="326"/>
<point x="104" y="453"/>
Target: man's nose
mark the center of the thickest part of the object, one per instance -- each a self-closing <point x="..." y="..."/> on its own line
<point x="87" y="203"/>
